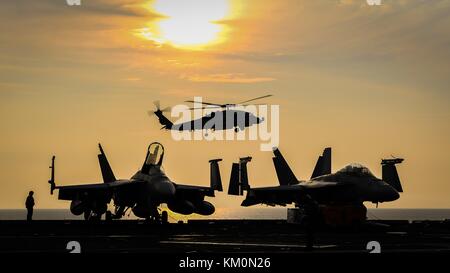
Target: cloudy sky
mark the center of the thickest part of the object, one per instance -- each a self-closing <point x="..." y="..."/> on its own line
<point x="369" y="81"/>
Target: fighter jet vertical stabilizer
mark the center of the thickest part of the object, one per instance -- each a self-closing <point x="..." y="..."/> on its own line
<point x="239" y="177"/>
<point x="323" y="165"/>
<point x="284" y="173"/>
<point x="390" y="174"/>
<point x="107" y="173"/>
<point x="215" y="178"/>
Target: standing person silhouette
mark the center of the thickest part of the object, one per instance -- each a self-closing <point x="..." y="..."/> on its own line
<point x="29" y="204"/>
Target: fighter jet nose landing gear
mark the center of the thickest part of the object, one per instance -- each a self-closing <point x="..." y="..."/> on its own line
<point x="164" y="217"/>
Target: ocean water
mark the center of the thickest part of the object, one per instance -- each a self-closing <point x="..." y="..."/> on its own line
<point x="242" y="213"/>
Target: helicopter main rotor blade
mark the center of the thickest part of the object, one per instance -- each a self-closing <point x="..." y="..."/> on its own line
<point x="258" y="98"/>
<point x="213" y="107"/>
<point x="206" y="103"/>
<point x="253" y="104"/>
<point x="167" y="109"/>
<point x="157" y="104"/>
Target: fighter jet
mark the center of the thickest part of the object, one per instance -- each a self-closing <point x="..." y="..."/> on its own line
<point x="143" y="193"/>
<point x="330" y="195"/>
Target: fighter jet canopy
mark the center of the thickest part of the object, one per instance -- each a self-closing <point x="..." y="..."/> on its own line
<point x="155" y="154"/>
<point x="356" y="170"/>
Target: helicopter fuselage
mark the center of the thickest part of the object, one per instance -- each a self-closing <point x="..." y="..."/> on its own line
<point x="220" y="120"/>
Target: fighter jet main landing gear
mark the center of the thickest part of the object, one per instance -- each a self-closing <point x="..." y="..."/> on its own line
<point x="158" y="218"/>
<point x="89" y="215"/>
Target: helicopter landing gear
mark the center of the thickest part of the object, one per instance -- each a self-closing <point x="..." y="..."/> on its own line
<point x="209" y="130"/>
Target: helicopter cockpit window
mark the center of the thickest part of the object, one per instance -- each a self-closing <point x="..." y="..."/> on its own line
<point x="356" y="170"/>
<point x="155" y="154"/>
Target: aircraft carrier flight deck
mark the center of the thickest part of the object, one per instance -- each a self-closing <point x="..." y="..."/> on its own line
<point x="221" y="236"/>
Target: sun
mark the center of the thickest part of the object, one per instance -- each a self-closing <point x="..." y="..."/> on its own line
<point x="188" y="24"/>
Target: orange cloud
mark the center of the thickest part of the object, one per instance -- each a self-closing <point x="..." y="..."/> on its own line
<point x="228" y="78"/>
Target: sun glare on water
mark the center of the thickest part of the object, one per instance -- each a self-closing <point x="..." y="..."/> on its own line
<point x="187" y="24"/>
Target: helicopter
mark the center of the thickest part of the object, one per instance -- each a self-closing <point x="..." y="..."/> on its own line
<point x="228" y="117"/>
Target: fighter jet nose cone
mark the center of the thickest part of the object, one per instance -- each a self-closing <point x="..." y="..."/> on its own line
<point x="392" y="194"/>
<point x="395" y="195"/>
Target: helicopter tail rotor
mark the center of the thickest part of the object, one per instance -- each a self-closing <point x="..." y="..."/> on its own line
<point x="157" y="104"/>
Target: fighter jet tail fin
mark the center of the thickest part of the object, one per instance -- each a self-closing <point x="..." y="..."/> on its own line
<point x="216" y="180"/>
<point x="52" y="177"/>
<point x="107" y="173"/>
<point x="390" y="174"/>
<point x="239" y="177"/>
<point x="323" y="165"/>
<point x="284" y="172"/>
<point x="234" y="187"/>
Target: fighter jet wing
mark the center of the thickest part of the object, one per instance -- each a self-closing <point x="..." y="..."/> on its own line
<point x="199" y="192"/>
<point x="193" y="191"/>
<point x="287" y="194"/>
<point x="73" y="192"/>
<point x="299" y="187"/>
